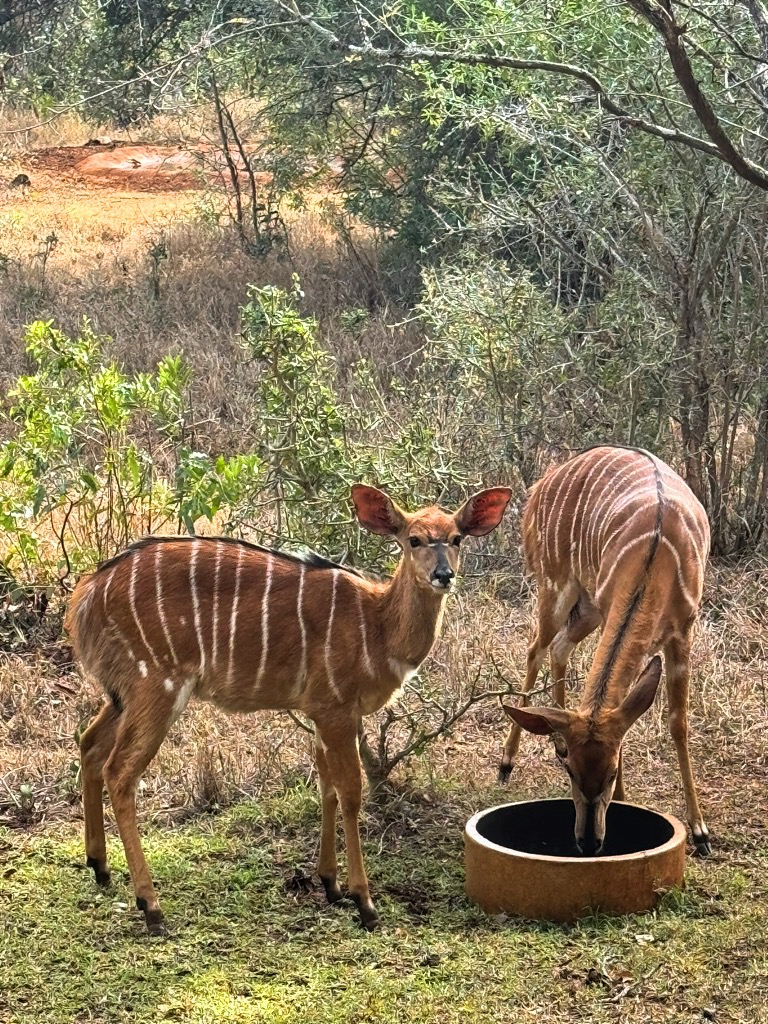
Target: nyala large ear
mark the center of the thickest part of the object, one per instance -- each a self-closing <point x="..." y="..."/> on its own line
<point x="483" y="511"/>
<point x="376" y="510"/>
<point x="641" y="696"/>
<point x="541" y="721"/>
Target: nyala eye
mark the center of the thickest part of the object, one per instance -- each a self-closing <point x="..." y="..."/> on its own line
<point x="414" y="542"/>
<point x="457" y="540"/>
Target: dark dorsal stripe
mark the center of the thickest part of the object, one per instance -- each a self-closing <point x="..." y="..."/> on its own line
<point x="309" y="559"/>
<point x="601" y="687"/>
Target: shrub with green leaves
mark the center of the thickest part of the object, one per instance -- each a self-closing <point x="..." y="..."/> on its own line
<point x="315" y="444"/>
<point x="96" y="457"/>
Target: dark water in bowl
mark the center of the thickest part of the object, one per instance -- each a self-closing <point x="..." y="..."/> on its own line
<point x="546" y="827"/>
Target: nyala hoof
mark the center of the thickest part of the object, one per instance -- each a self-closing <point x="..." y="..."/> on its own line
<point x="153" y="918"/>
<point x="155" y="927"/>
<point x="505" y="770"/>
<point x="369" y="919"/>
<point x="101" y="872"/>
<point x="702" y="847"/>
<point x="332" y="888"/>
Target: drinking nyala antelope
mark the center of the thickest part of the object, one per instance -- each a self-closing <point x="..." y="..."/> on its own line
<point x="614" y="538"/>
<point x="248" y="628"/>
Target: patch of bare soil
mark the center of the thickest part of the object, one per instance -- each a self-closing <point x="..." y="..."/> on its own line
<point x="133" y="168"/>
<point x="124" y="167"/>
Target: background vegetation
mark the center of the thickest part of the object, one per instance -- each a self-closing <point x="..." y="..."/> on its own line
<point x="429" y="245"/>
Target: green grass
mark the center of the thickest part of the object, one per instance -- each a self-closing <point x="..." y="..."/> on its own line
<point x="243" y="948"/>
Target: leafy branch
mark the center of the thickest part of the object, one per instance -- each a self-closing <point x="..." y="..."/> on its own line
<point x="659" y="15"/>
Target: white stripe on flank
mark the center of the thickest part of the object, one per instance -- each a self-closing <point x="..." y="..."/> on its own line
<point x="107" y="586"/>
<point x="638" y="492"/>
<point x="160" y="608"/>
<point x="614" y="564"/>
<point x="621" y="492"/>
<point x="617" y="497"/>
<point x="215" y="644"/>
<point x="87" y="601"/>
<point x="700" y="535"/>
<point x="542" y="508"/>
<point x="196" y="601"/>
<point x="328" y="667"/>
<point x="605" y="461"/>
<point x="300" y="680"/>
<point x="680" y="579"/>
<point x="132" y="602"/>
<point x="567" y="478"/>
<point x="562" y="473"/>
<point x="625" y="491"/>
<point x="364" y="633"/>
<point x="574" y="478"/>
<point x="633" y="483"/>
<point x="121" y="637"/>
<point x="265" y="622"/>
<point x="233" y="616"/>
<point x="624" y="525"/>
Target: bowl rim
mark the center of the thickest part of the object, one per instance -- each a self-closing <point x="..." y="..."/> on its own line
<point x="678" y="836"/>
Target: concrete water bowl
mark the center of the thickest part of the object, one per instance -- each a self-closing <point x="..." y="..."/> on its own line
<point x="522" y="859"/>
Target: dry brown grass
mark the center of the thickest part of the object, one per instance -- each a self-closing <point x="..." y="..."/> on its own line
<point x="22" y="131"/>
<point x="100" y="268"/>
<point x="211" y="759"/>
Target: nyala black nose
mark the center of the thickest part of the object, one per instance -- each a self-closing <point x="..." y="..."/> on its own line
<point x="589" y="846"/>
<point x="443" y="576"/>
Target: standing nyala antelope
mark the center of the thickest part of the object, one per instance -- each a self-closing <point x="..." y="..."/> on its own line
<point x="614" y="538"/>
<point x="247" y="628"/>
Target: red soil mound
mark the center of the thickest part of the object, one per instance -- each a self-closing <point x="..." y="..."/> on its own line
<point x="134" y="168"/>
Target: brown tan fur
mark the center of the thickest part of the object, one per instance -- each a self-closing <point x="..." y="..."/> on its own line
<point x="614" y="538"/>
<point x="247" y="628"/>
